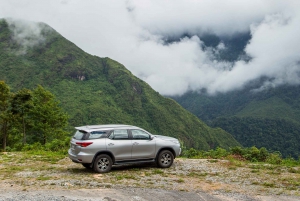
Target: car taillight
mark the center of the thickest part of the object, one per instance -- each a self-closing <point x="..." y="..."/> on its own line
<point x="84" y="144"/>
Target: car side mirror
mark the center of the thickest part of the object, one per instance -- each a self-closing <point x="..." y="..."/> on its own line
<point x="152" y="137"/>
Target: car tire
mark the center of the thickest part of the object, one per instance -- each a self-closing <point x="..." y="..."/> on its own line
<point x="102" y="163"/>
<point x="87" y="165"/>
<point x="165" y="159"/>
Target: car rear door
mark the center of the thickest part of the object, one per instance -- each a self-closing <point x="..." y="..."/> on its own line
<point x="119" y="144"/>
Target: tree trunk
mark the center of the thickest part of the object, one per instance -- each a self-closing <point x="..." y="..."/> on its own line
<point x="24" y="134"/>
<point x="4" y="132"/>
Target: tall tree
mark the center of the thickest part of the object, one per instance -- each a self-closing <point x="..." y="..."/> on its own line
<point x="49" y="119"/>
<point x="4" y="112"/>
<point x="21" y="104"/>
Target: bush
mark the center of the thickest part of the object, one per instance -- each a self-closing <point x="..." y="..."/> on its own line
<point x="191" y="153"/>
<point x="237" y="151"/>
<point x="217" y="153"/>
<point x="274" y="158"/>
<point x="35" y="146"/>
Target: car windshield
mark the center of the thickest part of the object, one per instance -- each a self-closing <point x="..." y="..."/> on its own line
<point x="79" y="134"/>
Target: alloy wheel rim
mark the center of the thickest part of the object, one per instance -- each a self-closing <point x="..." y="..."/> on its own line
<point x="103" y="163"/>
<point x="165" y="159"/>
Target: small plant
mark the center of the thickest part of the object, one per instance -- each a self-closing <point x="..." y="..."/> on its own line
<point x="267" y="184"/>
<point x="43" y="178"/>
<point x="158" y="171"/>
<point x="180" y="180"/>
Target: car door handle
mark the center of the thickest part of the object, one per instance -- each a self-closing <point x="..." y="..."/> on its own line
<point x="110" y="144"/>
<point x="135" y="143"/>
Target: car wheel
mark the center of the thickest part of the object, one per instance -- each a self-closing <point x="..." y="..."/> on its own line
<point x="102" y="163"/>
<point x="165" y="159"/>
<point x="86" y="165"/>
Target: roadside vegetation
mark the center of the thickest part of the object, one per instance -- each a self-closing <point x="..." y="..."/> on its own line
<point x="31" y="118"/>
<point x="246" y="155"/>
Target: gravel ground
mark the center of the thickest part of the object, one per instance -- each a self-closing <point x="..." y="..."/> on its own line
<point x="25" y="178"/>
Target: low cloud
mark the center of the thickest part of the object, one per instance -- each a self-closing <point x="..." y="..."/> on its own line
<point x="26" y="34"/>
<point x="134" y="32"/>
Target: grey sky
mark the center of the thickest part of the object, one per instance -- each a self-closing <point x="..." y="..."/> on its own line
<point x="132" y="33"/>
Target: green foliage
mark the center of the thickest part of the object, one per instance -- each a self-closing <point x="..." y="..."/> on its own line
<point x="39" y="112"/>
<point x="274" y="134"/>
<point x="95" y="90"/>
<point x="51" y="119"/>
<point x="274" y="158"/>
<point x="252" y="154"/>
<point x="5" y="114"/>
<point x="191" y="153"/>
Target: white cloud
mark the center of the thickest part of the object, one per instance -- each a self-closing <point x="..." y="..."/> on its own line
<point x="26" y="34"/>
<point x="132" y="33"/>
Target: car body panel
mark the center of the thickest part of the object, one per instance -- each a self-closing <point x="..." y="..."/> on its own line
<point x="121" y="149"/>
<point x="142" y="149"/>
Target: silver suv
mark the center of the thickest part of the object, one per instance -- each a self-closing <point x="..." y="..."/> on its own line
<point x="101" y="146"/>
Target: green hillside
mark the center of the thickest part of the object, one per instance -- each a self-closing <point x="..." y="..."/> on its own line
<point x="264" y="119"/>
<point x="95" y="90"/>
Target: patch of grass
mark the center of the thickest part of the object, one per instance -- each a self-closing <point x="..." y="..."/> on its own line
<point x="274" y="173"/>
<point x="16" y="168"/>
<point x="147" y="174"/>
<point x="119" y="177"/>
<point x="43" y="178"/>
<point x="157" y="171"/>
<point x="232" y="168"/>
<point x="294" y="170"/>
<point x="180" y="180"/>
<point x="196" y="174"/>
<point x="255" y="171"/>
<point x="127" y="176"/>
<point x="270" y="185"/>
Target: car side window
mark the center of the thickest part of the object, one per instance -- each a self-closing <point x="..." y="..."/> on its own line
<point x="119" y="134"/>
<point x="140" y="135"/>
<point x="97" y="134"/>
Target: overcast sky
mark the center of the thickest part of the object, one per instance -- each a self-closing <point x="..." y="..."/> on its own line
<point x="133" y="32"/>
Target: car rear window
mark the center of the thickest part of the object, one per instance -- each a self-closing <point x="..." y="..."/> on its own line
<point x="97" y="134"/>
<point x="79" y="135"/>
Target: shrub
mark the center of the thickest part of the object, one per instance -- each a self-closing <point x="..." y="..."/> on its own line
<point x="35" y="146"/>
<point x="218" y="153"/>
<point x="274" y="158"/>
<point x="191" y="153"/>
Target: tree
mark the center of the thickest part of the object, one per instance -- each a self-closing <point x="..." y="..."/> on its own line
<point x="49" y="120"/>
<point x="5" y="114"/>
<point x="21" y="104"/>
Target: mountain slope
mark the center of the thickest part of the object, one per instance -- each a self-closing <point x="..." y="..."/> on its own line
<point x="96" y="90"/>
<point x="269" y="118"/>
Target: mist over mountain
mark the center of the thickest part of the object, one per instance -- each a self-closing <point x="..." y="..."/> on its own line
<point x="171" y="45"/>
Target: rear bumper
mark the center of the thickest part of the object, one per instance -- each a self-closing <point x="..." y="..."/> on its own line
<point x="80" y="157"/>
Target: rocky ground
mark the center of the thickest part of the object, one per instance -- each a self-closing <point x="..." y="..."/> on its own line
<point x="43" y="177"/>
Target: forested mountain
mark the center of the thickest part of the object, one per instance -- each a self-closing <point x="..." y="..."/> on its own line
<point x="267" y="118"/>
<point x="95" y="90"/>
